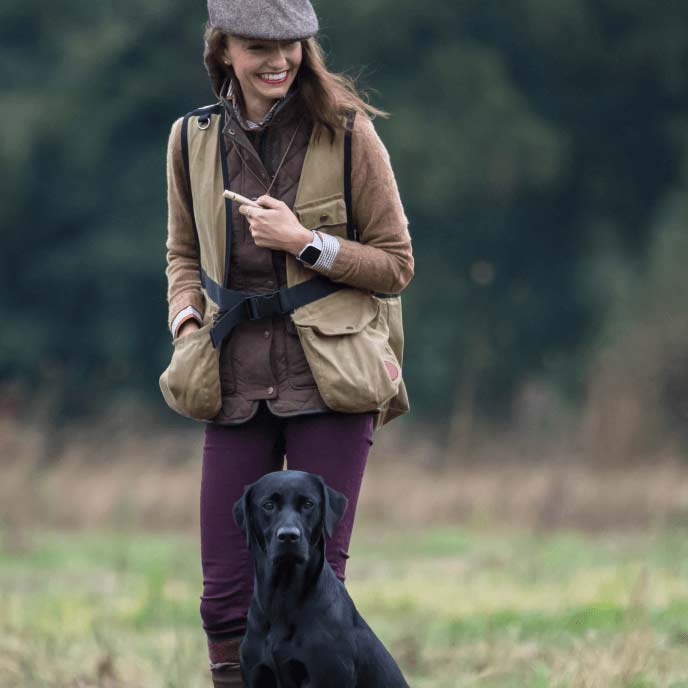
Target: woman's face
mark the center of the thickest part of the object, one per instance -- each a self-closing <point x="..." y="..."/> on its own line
<point x="265" y="69"/>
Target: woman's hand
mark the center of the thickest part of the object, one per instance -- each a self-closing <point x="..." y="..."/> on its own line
<point x="191" y="325"/>
<point x="274" y="226"/>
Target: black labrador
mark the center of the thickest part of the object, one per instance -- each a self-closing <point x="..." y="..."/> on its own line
<point x="303" y="628"/>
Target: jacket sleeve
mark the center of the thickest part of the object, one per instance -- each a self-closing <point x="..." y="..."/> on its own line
<point x="183" y="281"/>
<point x="383" y="259"/>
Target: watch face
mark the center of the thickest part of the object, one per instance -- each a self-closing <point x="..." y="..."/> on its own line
<point x="310" y="255"/>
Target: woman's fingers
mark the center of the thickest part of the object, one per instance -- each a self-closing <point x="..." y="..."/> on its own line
<point x="272" y="225"/>
<point x="269" y="202"/>
<point x="251" y="212"/>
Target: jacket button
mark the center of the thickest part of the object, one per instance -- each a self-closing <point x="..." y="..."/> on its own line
<point x="266" y="334"/>
<point x="271" y="390"/>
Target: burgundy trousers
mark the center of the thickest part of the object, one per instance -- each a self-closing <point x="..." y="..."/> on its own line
<point x="332" y="445"/>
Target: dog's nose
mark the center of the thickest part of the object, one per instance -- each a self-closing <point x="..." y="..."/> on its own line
<point x="291" y="534"/>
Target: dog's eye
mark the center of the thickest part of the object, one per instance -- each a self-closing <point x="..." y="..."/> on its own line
<point x="269" y="505"/>
<point x="308" y="504"/>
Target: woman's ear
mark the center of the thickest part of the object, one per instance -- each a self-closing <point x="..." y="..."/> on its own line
<point x="226" y="56"/>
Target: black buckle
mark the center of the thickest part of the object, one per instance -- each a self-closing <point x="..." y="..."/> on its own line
<point x="264" y="305"/>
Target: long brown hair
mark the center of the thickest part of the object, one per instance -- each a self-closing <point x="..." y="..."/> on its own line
<point x="324" y="94"/>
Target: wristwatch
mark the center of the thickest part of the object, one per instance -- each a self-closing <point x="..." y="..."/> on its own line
<point x="311" y="252"/>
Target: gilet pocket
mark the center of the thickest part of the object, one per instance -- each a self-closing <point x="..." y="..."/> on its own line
<point x="191" y="382"/>
<point x="327" y="214"/>
<point x="345" y="337"/>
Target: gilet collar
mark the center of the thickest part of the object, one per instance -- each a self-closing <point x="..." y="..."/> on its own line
<point x="229" y="99"/>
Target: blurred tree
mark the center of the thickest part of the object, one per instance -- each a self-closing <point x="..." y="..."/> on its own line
<point x="526" y="136"/>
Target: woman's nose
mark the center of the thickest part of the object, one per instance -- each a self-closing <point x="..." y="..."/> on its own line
<point x="278" y="58"/>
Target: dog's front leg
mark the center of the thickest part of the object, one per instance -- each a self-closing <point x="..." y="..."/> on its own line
<point x="262" y="676"/>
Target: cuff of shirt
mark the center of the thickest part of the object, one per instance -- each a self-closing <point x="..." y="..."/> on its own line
<point x="328" y="253"/>
<point x="184" y="315"/>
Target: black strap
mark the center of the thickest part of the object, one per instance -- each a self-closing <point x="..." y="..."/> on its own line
<point x="351" y="229"/>
<point x="203" y="115"/>
<point x="238" y="306"/>
<point x="185" y="158"/>
<point x="228" y="203"/>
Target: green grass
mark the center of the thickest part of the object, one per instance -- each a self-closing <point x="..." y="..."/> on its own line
<point x="457" y="607"/>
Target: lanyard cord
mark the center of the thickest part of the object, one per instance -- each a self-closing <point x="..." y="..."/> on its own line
<point x="279" y="167"/>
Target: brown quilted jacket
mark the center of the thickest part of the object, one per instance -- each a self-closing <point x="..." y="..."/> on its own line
<point x="264" y="359"/>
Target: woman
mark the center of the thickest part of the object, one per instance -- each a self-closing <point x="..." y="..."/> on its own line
<point x="280" y="111"/>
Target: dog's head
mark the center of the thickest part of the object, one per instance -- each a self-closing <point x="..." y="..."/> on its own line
<point x="286" y="513"/>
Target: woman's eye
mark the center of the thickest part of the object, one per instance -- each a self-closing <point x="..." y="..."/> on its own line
<point x="269" y="506"/>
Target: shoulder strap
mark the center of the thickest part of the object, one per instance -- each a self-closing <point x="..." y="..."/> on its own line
<point x="201" y="118"/>
<point x="203" y="114"/>
<point x="351" y="229"/>
<point x="187" y="172"/>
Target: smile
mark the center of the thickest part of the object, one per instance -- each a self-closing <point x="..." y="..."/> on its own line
<point x="274" y="79"/>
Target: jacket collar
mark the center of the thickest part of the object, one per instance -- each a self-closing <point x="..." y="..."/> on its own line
<point x="230" y="100"/>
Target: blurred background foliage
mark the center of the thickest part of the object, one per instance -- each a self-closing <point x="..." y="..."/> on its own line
<point x="541" y="149"/>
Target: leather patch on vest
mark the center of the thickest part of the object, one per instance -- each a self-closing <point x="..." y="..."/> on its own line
<point x="392" y="370"/>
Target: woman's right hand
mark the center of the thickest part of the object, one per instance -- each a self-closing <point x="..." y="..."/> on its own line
<point x="191" y="325"/>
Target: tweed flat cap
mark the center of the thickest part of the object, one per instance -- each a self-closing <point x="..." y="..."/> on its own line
<point x="273" y="20"/>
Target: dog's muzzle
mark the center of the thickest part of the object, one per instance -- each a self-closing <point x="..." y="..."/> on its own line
<point x="289" y="545"/>
<point x="288" y="534"/>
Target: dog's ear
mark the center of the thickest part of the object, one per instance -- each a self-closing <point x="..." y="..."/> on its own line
<point x="242" y="513"/>
<point x="333" y="507"/>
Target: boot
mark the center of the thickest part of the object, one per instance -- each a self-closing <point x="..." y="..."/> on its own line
<point x="227" y="677"/>
<point x="224" y="663"/>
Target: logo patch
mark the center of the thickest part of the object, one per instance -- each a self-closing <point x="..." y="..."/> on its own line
<point x="392" y="370"/>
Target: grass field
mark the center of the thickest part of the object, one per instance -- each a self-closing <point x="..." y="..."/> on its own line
<point x="528" y="571"/>
<point x="456" y="606"/>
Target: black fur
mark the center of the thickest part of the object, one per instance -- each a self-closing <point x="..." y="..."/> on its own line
<point x="303" y="628"/>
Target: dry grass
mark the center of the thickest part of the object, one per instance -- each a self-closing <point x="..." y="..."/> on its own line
<point x="542" y="495"/>
<point x="488" y="605"/>
<point x="103" y="477"/>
